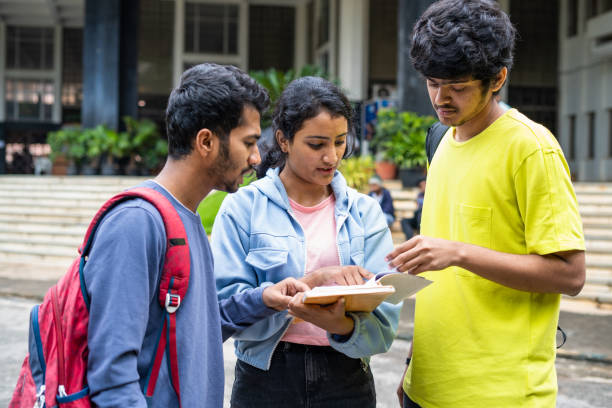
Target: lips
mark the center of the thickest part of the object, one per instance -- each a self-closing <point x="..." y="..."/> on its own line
<point x="445" y="112"/>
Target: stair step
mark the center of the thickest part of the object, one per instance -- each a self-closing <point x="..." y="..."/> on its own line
<point x="28" y="204"/>
<point x="20" y="229"/>
<point x="594" y="297"/>
<point x="70" y="180"/>
<point x="50" y="241"/>
<point x="598" y="246"/>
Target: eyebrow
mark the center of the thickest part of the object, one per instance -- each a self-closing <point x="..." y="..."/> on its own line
<point x="325" y="137"/>
<point x="256" y="136"/>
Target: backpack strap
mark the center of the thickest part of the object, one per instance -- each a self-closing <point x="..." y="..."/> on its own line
<point x="174" y="280"/>
<point x="435" y="133"/>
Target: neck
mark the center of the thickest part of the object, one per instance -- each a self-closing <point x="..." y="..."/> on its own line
<point x="185" y="182"/>
<point x="303" y="192"/>
<point x="483" y="119"/>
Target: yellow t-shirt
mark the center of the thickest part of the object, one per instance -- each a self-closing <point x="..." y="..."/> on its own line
<point x="478" y="343"/>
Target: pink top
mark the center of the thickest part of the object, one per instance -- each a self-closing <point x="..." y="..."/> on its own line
<point x="319" y="225"/>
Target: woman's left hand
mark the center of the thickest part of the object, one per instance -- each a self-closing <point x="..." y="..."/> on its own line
<point x="331" y="318"/>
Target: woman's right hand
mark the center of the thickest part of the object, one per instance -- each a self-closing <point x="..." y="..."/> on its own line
<point x="340" y="275"/>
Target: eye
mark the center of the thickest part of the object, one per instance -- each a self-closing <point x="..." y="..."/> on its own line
<point x="249" y="144"/>
<point x="458" y="89"/>
<point x="315" y="146"/>
<point x="340" y="142"/>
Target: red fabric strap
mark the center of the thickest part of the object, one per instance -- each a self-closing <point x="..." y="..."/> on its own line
<point x="173" y="355"/>
<point x="159" y="356"/>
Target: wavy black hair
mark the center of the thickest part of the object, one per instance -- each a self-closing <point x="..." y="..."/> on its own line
<point x="209" y="96"/>
<point x="303" y="99"/>
<point x="456" y="38"/>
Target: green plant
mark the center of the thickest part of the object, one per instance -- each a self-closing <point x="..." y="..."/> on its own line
<point x="276" y="81"/>
<point x="142" y="139"/>
<point x="401" y="137"/>
<point x="209" y="207"/>
<point x="69" y="142"/>
<point x="357" y="171"/>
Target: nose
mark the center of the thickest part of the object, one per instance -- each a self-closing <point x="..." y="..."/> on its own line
<point x="254" y="157"/>
<point x="442" y="95"/>
<point x="330" y="155"/>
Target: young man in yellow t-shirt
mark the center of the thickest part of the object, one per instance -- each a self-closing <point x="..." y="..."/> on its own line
<point x="501" y="234"/>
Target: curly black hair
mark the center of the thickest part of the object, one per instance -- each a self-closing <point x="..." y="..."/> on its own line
<point x="457" y="38"/>
<point x="303" y="99"/>
<point x="209" y="96"/>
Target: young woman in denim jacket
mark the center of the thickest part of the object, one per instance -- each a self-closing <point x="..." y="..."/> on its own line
<point x="302" y="220"/>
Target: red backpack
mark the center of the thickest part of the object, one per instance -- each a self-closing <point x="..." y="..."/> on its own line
<point x="54" y="373"/>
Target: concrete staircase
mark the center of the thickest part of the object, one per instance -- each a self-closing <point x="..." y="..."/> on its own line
<point x="595" y="203"/>
<point x="43" y="220"/>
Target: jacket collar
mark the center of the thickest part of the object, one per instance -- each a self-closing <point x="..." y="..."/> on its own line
<point x="272" y="187"/>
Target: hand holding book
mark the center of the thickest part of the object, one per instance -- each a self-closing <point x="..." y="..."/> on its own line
<point x="390" y="286"/>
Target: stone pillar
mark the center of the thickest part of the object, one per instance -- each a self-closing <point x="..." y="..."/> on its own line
<point x="411" y="90"/>
<point x="353" y="51"/>
<point x="110" y="62"/>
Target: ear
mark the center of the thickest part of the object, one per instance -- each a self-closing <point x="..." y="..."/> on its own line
<point x="500" y="79"/>
<point x="282" y="141"/>
<point x="205" y="142"/>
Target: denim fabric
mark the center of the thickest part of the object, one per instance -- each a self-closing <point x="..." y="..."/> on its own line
<point x="304" y="376"/>
<point x="257" y="241"/>
<point x="408" y="403"/>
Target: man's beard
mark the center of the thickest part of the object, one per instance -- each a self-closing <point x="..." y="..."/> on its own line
<point x="222" y="169"/>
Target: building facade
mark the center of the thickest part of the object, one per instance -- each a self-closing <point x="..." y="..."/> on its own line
<point x="585" y="83"/>
<point x="91" y="61"/>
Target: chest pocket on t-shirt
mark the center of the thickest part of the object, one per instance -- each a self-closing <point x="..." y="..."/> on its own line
<point x="472" y="225"/>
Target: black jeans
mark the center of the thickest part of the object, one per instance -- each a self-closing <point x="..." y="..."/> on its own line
<point x="304" y="376"/>
<point x="408" y="403"/>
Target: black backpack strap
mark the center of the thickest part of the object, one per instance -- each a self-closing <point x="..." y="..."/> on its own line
<point x="434" y="135"/>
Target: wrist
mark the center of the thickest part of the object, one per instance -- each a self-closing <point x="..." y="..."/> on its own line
<point x="346" y="327"/>
<point x="460" y="252"/>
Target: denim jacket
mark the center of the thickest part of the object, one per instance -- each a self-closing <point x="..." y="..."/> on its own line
<point x="257" y="241"/>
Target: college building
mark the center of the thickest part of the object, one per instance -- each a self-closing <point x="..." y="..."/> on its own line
<point x="89" y="62"/>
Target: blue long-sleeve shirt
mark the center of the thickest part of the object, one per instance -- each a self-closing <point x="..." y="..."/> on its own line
<point x="122" y="277"/>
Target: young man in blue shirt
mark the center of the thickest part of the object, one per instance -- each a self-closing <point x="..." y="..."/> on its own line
<point x="213" y="123"/>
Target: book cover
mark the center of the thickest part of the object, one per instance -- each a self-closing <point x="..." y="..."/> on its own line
<point x="389" y="286"/>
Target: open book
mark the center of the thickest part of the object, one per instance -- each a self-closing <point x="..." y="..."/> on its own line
<point x="390" y="286"/>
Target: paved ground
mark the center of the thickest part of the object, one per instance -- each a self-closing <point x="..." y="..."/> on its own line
<point x="585" y="379"/>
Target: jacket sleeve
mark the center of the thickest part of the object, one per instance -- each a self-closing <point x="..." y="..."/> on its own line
<point x="233" y="275"/>
<point x="241" y="310"/>
<point x="374" y="332"/>
<point x="121" y="276"/>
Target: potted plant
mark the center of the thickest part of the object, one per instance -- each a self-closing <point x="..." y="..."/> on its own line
<point x="70" y="143"/>
<point x="357" y="171"/>
<point x="146" y="146"/>
<point x="400" y="137"/>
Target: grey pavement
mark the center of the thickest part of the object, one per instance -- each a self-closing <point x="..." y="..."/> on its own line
<point x="585" y="379"/>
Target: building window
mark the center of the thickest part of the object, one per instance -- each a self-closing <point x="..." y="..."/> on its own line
<point x="591" y="135"/>
<point x="323" y="23"/>
<point x="29" y="48"/>
<point x="325" y="16"/>
<point x="572" y="137"/>
<point x="29" y="99"/>
<point x="591" y="8"/>
<point x="270" y="43"/>
<point x="572" y="18"/>
<point x="211" y="28"/>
